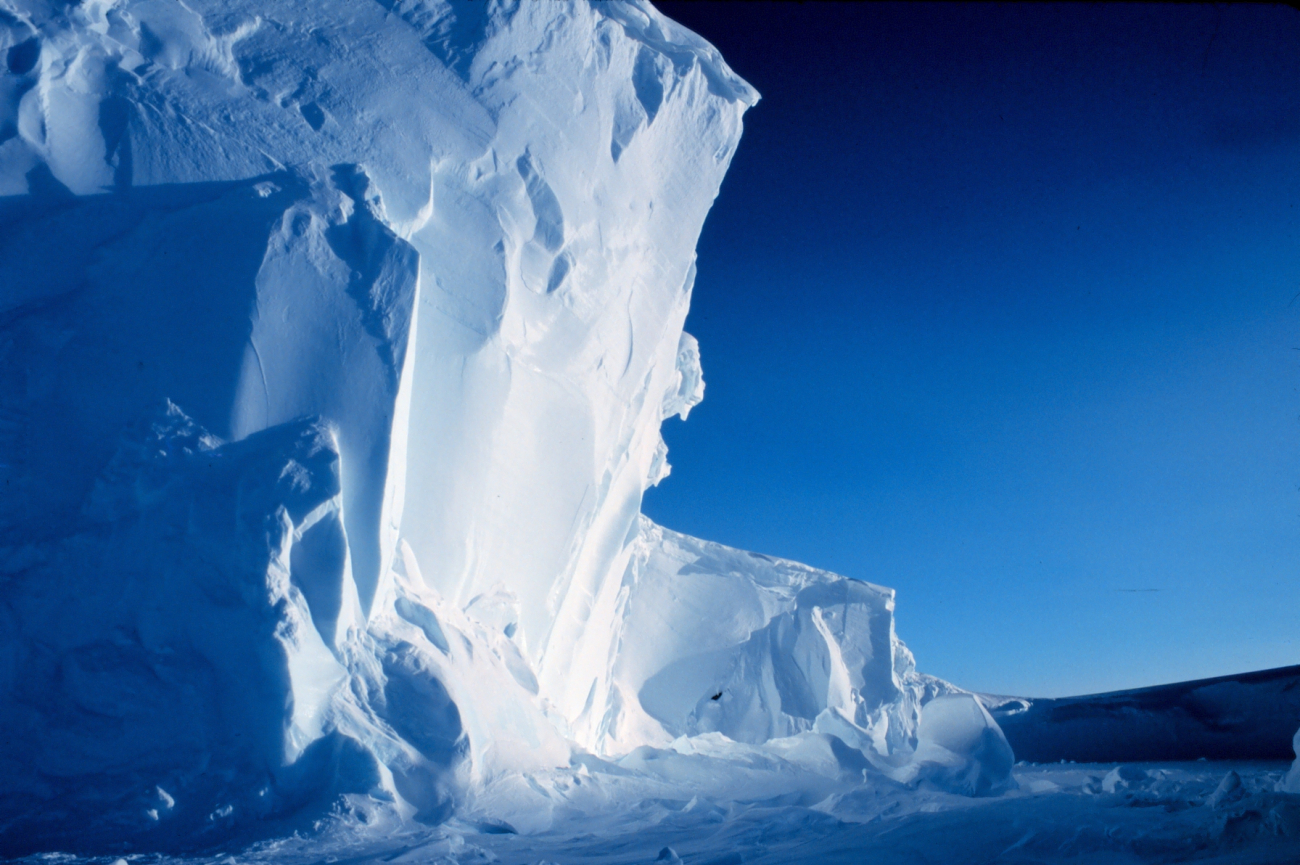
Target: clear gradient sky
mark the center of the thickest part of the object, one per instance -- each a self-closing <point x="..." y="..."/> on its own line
<point x="1000" y="306"/>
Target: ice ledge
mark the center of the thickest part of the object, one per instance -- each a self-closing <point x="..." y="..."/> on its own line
<point x="669" y="39"/>
<point x="713" y="640"/>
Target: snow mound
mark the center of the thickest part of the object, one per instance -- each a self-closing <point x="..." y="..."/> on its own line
<point x="335" y="342"/>
<point x="960" y="748"/>
<point x="1291" y="783"/>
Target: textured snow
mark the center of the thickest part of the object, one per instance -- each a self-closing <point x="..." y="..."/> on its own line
<point x="603" y="815"/>
<point x="335" y="342"/>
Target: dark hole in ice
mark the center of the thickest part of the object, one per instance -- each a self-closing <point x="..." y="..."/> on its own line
<point x="717" y="696"/>
<point x="312" y="113"/>
<point x="23" y="56"/>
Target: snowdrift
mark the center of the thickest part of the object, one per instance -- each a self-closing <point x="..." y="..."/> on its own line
<point x="335" y="344"/>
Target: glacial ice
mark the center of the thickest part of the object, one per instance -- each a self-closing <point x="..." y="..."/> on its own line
<point x="335" y="346"/>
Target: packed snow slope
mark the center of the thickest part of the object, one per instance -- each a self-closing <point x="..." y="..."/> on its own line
<point x="335" y="339"/>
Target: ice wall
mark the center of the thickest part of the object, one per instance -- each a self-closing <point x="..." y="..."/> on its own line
<point x="335" y="343"/>
<point x="248" y="214"/>
<point x="548" y="166"/>
<point x="558" y="268"/>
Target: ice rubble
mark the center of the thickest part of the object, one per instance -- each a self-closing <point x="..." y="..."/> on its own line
<point x="336" y="341"/>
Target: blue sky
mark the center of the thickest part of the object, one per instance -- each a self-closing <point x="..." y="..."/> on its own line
<point x="999" y="306"/>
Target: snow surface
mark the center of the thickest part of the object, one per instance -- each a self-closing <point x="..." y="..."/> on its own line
<point x="604" y="815"/>
<point x="334" y="345"/>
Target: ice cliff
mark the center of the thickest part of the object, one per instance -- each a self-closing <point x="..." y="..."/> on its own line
<point x="334" y="345"/>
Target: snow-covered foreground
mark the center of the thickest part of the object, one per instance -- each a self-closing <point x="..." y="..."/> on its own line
<point x="1061" y="813"/>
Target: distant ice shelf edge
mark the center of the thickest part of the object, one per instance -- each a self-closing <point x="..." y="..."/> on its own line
<point x="335" y="340"/>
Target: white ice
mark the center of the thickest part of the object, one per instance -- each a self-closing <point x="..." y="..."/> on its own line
<point x="335" y="340"/>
